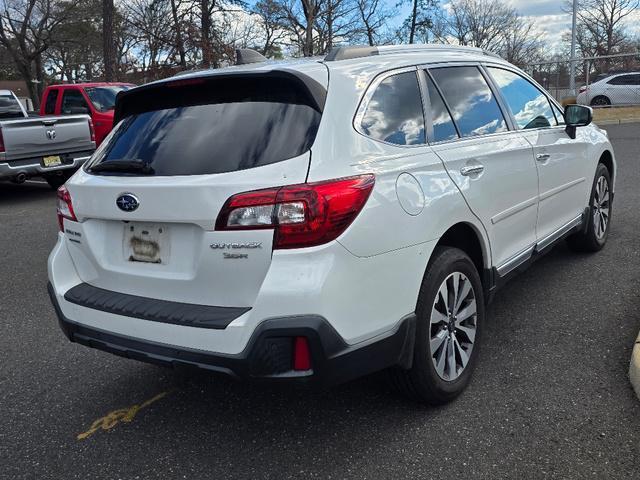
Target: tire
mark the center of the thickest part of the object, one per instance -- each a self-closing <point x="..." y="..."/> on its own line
<point x="55" y="181"/>
<point x="600" y="101"/>
<point x="424" y="381"/>
<point x="600" y="209"/>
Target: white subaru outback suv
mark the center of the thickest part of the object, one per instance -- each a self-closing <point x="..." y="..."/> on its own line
<point x="320" y="220"/>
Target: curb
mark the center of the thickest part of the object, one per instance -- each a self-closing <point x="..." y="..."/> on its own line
<point x="634" y="367"/>
<point x="617" y="121"/>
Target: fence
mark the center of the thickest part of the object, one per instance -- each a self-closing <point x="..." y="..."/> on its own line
<point x="599" y="81"/>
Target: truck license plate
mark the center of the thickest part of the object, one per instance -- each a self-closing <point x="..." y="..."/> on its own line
<point x="51" y="161"/>
<point x="147" y="243"/>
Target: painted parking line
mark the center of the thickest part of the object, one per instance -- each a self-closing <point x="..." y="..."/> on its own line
<point x="125" y="415"/>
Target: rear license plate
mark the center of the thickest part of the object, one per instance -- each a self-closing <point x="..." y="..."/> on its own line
<point x="51" y="161"/>
<point x="147" y="243"/>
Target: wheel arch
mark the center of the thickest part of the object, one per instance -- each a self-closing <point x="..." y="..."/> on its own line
<point x="606" y="158"/>
<point x="466" y="237"/>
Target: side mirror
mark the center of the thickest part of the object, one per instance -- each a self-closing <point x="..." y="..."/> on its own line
<point x="576" y="116"/>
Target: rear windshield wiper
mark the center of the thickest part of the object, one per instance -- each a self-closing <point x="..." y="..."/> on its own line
<point x="131" y="166"/>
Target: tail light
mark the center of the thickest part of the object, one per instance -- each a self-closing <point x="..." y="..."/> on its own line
<point x="302" y="215"/>
<point x="65" y="207"/>
<point x="92" y="131"/>
<point x="582" y="89"/>
<point x="2" y="149"/>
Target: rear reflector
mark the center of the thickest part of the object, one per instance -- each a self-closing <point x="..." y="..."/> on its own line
<point x="301" y="215"/>
<point x="301" y="354"/>
<point x="65" y="207"/>
<point x="2" y="150"/>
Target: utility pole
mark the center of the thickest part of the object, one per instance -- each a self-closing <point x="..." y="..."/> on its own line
<point x="572" y="64"/>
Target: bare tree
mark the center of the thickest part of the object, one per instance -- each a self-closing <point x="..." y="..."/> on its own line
<point x="300" y="17"/>
<point x="177" y="16"/>
<point x="601" y="29"/>
<point x="108" y="44"/>
<point x="27" y="31"/>
<point x="477" y="23"/>
<point x="374" y="17"/>
<point x="337" y="23"/>
<point x="150" y="22"/>
<point x="521" y="43"/>
<point x="418" y="25"/>
<point x="270" y="17"/>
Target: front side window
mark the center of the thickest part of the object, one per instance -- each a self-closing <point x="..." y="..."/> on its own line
<point x="471" y="101"/>
<point x="529" y="106"/>
<point x="73" y="102"/>
<point x="394" y="113"/>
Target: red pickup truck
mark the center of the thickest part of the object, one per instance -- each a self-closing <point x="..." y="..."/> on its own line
<point x="94" y="99"/>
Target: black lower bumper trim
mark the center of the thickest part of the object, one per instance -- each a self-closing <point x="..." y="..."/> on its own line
<point x="202" y="316"/>
<point x="268" y="355"/>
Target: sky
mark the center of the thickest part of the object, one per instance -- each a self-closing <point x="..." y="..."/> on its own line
<point x="548" y="16"/>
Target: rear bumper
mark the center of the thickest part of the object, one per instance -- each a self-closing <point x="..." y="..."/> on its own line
<point x="33" y="166"/>
<point x="269" y="352"/>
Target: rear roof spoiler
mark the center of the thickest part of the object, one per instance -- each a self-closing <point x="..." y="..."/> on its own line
<point x="145" y="97"/>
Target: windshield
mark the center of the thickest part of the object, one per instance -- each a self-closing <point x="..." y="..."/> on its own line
<point x="10" y="107"/>
<point x="104" y="98"/>
<point x="212" y="127"/>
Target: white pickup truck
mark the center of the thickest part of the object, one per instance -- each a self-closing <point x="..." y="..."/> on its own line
<point x="51" y="147"/>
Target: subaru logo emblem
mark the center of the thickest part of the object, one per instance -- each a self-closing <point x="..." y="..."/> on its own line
<point x="127" y="202"/>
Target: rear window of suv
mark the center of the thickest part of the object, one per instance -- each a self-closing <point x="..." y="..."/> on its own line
<point x="214" y="125"/>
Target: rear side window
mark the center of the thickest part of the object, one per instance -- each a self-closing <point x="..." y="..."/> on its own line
<point x="9" y="107"/>
<point x="394" y="113"/>
<point x="73" y="102"/>
<point x="443" y="127"/>
<point x="220" y="125"/>
<point x="50" y="104"/>
<point x="529" y="106"/>
<point x="472" y="103"/>
<point x="625" y="80"/>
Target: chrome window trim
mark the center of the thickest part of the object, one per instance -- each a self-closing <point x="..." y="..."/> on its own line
<point x="366" y="98"/>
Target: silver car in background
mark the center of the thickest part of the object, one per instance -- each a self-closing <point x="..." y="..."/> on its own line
<point x="616" y="89"/>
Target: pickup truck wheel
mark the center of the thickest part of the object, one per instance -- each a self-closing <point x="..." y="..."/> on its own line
<point x="55" y="181"/>
<point x="599" y="219"/>
<point x="450" y="314"/>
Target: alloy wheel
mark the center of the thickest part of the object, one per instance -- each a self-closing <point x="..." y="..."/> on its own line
<point x="453" y="326"/>
<point x="601" y="207"/>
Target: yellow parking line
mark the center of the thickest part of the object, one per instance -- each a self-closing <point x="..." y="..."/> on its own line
<point x="126" y="415"/>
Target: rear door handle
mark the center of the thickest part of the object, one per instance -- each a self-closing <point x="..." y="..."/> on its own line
<point x="471" y="170"/>
<point x="541" y="157"/>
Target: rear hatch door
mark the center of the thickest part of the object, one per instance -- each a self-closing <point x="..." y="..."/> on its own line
<point x="150" y="230"/>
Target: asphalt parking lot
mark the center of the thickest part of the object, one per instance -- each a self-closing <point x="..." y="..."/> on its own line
<point x="550" y="397"/>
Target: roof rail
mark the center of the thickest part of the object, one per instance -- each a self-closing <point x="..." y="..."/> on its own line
<point x="349" y="52"/>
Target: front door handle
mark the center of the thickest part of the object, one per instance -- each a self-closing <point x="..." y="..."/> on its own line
<point x="542" y="157"/>
<point x="471" y="170"/>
